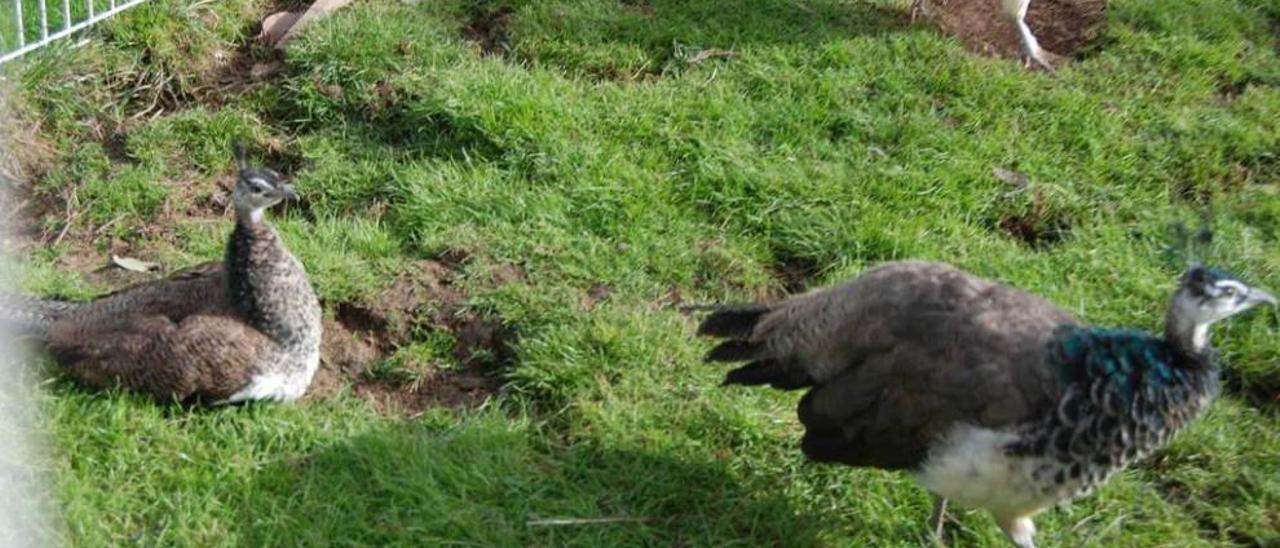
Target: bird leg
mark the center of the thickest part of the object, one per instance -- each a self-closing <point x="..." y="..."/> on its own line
<point x="1022" y="531"/>
<point x="937" y="518"/>
<point x="918" y="9"/>
<point x="1032" y="53"/>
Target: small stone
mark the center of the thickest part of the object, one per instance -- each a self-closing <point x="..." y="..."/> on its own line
<point x="263" y="71"/>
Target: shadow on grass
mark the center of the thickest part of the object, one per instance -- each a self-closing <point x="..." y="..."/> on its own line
<point x="482" y="484"/>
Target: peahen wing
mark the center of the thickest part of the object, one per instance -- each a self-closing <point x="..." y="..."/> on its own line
<point x="902" y="353"/>
<point x="209" y="357"/>
<point x="198" y="289"/>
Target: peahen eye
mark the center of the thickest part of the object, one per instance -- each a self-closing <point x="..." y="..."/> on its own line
<point x="1228" y="291"/>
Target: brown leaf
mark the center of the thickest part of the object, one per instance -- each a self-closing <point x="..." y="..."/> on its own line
<point x="133" y="265"/>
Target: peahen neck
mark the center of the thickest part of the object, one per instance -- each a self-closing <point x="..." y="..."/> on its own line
<point x="248" y="215"/>
<point x="1188" y="337"/>
<point x="257" y="269"/>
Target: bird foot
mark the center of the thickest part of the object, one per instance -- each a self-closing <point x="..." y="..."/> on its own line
<point x="937" y="519"/>
<point x="918" y="10"/>
<point x="1037" y="59"/>
<point x="1021" y="531"/>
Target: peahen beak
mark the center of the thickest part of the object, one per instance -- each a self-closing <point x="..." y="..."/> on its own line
<point x="1258" y="296"/>
<point x="289" y="193"/>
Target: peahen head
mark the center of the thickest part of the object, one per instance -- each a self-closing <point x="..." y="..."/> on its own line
<point x="1205" y="296"/>
<point x="257" y="189"/>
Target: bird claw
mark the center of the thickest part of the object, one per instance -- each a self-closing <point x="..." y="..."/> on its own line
<point x="917" y="10"/>
<point x="937" y="520"/>
<point x="1036" y="59"/>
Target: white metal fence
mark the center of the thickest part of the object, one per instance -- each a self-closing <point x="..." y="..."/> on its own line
<point x="30" y="24"/>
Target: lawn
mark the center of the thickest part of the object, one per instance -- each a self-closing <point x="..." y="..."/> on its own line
<point x="506" y="201"/>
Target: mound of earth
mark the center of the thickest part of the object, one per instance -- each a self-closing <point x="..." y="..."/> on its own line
<point x="369" y="330"/>
<point x="1061" y="26"/>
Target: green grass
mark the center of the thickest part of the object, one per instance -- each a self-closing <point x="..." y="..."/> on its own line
<point x="593" y="152"/>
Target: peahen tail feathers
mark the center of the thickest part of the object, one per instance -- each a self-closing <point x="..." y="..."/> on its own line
<point x="736" y="324"/>
<point x="731" y="320"/>
<point x="31" y="316"/>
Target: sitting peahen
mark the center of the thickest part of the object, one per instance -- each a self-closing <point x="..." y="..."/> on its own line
<point x="221" y="332"/>
<point x="994" y="398"/>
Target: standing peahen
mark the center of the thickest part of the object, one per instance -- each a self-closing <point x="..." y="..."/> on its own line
<point x="994" y="398"/>
<point x="221" y="332"/>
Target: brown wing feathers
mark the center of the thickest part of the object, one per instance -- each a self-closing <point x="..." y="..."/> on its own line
<point x="895" y="357"/>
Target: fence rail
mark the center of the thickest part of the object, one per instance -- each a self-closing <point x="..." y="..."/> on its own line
<point x="18" y="28"/>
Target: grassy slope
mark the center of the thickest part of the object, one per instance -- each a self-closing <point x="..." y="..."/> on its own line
<point x="594" y="153"/>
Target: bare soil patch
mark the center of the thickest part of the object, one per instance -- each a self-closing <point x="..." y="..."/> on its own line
<point x="795" y="272"/>
<point x="1036" y="222"/>
<point x="598" y="293"/>
<point x="487" y="28"/>
<point x="464" y="389"/>
<point x="423" y="299"/>
<point x="1061" y="26"/>
<point x="1035" y="230"/>
<point x="24" y="157"/>
<point x="1262" y="392"/>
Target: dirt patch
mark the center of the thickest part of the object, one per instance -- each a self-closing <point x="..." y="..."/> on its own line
<point x="422" y="300"/>
<point x="795" y="272"/>
<point x="249" y="63"/>
<point x="1263" y="169"/>
<point x="116" y="146"/>
<point x="348" y="351"/>
<point x="363" y="332"/>
<point x="1062" y="26"/>
<point x="483" y="345"/>
<point x="465" y="389"/>
<point x="1229" y="90"/>
<point x="24" y="157"/>
<point x="44" y="218"/>
<point x="1260" y="392"/>
<point x="241" y="73"/>
<point x="596" y="294"/>
<point x="1035" y="231"/>
<point x="1195" y="194"/>
<point x="482" y="342"/>
<point x="1037" y="224"/>
<point x="674" y="297"/>
<point x="644" y="7"/>
<point x="487" y="28"/>
<point x="506" y="274"/>
<point x="21" y="213"/>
